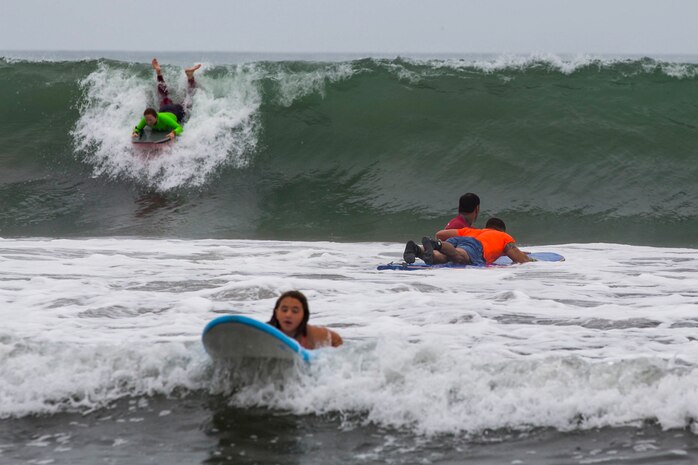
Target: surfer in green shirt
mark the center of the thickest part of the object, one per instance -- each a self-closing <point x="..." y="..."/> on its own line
<point x="171" y="115"/>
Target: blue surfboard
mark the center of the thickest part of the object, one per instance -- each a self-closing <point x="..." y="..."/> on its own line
<point x="237" y="337"/>
<point x="501" y="261"/>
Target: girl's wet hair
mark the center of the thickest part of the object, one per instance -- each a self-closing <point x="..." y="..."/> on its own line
<point x="298" y="295"/>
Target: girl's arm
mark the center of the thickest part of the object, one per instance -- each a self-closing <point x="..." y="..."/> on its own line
<point x="323" y="337"/>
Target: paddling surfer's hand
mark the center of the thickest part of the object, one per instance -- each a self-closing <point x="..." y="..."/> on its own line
<point x="171" y="135"/>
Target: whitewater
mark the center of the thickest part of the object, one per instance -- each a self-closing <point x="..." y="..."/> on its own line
<point x="606" y="338"/>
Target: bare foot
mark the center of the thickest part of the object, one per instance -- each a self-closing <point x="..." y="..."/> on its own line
<point x="155" y="65"/>
<point x="190" y="71"/>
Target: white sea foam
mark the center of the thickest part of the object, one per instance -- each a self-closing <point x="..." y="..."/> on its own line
<point x="294" y="85"/>
<point x="496" y="63"/>
<point x="604" y="338"/>
<point x="563" y="64"/>
<point x="221" y="130"/>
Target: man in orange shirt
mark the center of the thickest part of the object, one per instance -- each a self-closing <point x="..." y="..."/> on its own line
<point x="467" y="246"/>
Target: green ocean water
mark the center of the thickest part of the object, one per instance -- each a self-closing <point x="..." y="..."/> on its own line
<point x="592" y="150"/>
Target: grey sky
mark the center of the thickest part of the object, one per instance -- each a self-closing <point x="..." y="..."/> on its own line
<point x="447" y="26"/>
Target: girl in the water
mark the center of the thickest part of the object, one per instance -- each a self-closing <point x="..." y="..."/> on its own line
<point x="291" y="316"/>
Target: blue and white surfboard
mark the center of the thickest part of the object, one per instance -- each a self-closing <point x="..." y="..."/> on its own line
<point x="236" y="337"/>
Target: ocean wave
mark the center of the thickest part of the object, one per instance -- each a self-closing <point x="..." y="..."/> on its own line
<point x="577" y="142"/>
